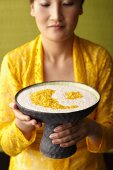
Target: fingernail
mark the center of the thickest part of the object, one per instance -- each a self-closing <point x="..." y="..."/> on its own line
<point x="56" y="129"/>
<point x="39" y="124"/>
<point x="62" y="145"/>
<point x="11" y="105"/>
<point x="28" y="118"/>
<point x="55" y="142"/>
<point x="51" y="136"/>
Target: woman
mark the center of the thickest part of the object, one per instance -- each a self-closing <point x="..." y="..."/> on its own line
<point x="56" y="54"/>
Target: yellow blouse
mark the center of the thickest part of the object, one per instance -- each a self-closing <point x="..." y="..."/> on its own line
<point x="24" y="66"/>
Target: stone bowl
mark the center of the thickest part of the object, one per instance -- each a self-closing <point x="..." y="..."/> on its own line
<point x="52" y="120"/>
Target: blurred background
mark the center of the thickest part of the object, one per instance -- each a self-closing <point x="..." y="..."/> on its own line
<point x="18" y="27"/>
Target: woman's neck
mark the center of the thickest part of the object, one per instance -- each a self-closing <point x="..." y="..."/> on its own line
<point x="56" y="51"/>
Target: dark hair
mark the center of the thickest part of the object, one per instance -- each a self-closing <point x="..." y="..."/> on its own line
<point x="31" y="1"/>
<point x="82" y="1"/>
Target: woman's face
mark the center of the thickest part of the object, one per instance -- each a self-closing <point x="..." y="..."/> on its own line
<point x="56" y="19"/>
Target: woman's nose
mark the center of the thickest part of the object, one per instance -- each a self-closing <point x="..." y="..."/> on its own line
<point x="57" y="13"/>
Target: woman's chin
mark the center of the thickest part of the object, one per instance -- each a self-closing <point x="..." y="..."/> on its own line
<point x="58" y="37"/>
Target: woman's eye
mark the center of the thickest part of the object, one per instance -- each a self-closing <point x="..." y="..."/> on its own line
<point x="45" y="5"/>
<point x="68" y="3"/>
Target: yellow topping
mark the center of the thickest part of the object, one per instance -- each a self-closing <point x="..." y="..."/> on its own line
<point x="44" y="98"/>
<point x="73" y="95"/>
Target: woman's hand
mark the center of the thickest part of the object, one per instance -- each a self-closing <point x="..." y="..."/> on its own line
<point x="69" y="134"/>
<point x="24" y="122"/>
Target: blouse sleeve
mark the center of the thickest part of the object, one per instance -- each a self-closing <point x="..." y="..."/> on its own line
<point x="12" y="140"/>
<point x="104" y="114"/>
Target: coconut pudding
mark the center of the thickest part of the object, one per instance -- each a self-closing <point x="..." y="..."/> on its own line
<point x="58" y="97"/>
<point x="55" y="103"/>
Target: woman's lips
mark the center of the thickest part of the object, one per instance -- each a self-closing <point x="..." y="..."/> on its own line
<point x="56" y="26"/>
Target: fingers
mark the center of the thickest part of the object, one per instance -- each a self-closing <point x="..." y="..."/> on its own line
<point x="25" y="118"/>
<point x="68" y="134"/>
<point x="19" y="115"/>
<point x="63" y="127"/>
<point x="39" y="124"/>
<point x="66" y="140"/>
<point x="70" y="143"/>
<point x="13" y="105"/>
<point x="63" y="133"/>
<point x="65" y="130"/>
<point x="33" y="122"/>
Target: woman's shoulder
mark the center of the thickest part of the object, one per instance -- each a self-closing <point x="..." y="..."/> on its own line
<point x="23" y="54"/>
<point x="92" y="49"/>
<point x="88" y="44"/>
<point x="25" y="48"/>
